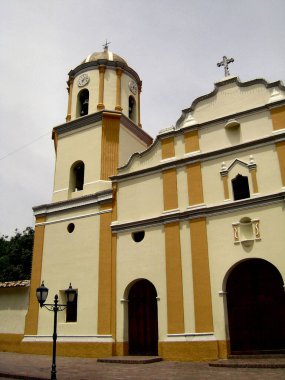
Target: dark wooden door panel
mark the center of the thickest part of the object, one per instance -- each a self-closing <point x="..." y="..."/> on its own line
<point x="256" y="307"/>
<point x="143" y="329"/>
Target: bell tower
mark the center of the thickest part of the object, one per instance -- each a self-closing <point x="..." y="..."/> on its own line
<point x="104" y="81"/>
<point x="102" y="128"/>
<point x="101" y="132"/>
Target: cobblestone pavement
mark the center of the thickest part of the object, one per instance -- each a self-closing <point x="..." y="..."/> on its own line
<point x="39" y="366"/>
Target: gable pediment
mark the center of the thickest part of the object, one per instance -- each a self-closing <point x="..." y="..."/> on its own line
<point x="231" y="96"/>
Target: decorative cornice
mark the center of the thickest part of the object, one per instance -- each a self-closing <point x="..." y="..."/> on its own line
<point x="139" y="132"/>
<point x="197" y="157"/>
<point x="177" y="130"/>
<point x="94" y="65"/>
<point x="96" y="117"/>
<point x="200" y="212"/>
<point x="98" y="198"/>
<point x="236" y="80"/>
<point x="78" y="123"/>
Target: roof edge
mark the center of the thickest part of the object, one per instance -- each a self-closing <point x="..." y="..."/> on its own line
<point x="217" y="85"/>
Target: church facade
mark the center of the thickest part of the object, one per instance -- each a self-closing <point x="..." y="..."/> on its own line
<point x="176" y="246"/>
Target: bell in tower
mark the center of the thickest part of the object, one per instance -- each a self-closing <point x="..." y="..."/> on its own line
<point x="83" y="102"/>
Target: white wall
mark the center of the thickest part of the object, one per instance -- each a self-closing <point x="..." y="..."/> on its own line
<point x="13" y="309"/>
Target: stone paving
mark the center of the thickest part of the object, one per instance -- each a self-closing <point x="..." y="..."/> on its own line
<point x="20" y="366"/>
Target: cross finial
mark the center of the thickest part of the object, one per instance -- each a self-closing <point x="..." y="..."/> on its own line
<point x="225" y="62"/>
<point x="106" y="45"/>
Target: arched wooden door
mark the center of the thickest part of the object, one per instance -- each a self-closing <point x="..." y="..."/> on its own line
<point x="256" y="308"/>
<point x="142" y="313"/>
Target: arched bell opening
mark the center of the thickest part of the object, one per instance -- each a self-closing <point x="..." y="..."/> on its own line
<point x="255" y="308"/>
<point x="82" y="103"/>
<point x="132" y="109"/>
<point x="76" y="182"/>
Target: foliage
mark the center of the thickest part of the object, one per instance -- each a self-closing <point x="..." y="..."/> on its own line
<point x="16" y="255"/>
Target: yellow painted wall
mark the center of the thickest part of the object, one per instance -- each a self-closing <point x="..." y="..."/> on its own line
<point x="170" y="198"/>
<point x="167" y="148"/>
<point x="187" y="278"/>
<point x="201" y="276"/>
<point x="174" y="285"/>
<point x="109" y="145"/>
<point x="278" y="118"/>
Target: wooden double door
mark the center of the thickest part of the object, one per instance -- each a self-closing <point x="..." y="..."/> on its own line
<point x="256" y="308"/>
<point x="142" y="314"/>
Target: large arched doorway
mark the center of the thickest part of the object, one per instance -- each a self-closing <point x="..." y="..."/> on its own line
<point x="143" y="326"/>
<point x="256" y="308"/>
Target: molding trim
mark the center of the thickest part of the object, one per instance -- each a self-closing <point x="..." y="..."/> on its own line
<point x="93" y="65"/>
<point x="74" y="218"/>
<point x="236" y="80"/>
<point x="96" y="117"/>
<point x="68" y="338"/>
<point x="190" y="337"/>
<point x="87" y="200"/>
<point x="195" y="213"/>
<point x="198" y="157"/>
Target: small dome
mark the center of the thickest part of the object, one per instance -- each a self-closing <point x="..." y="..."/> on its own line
<point x="106" y="54"/>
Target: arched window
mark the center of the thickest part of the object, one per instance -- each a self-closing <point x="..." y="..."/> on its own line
<point x="83" y="103"/>
<point x="240" y="187"/>
<point x="132" y="108"/>
<point x="77" y="176"/>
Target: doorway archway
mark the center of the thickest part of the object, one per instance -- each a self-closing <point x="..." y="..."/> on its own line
<point x="142" y="316"/>
<point x="256" y="308"/>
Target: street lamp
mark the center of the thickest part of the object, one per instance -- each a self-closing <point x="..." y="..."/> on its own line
<point x="42" y="293"/>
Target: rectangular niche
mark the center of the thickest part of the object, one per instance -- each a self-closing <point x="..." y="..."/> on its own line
<point x="246" y="231"/>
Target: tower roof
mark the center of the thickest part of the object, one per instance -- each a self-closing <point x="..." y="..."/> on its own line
<point x="106" y="54"/>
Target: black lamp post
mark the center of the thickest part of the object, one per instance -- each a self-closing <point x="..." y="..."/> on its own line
<point x="42" y="293"/>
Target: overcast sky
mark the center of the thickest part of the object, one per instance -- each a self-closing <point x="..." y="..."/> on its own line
<point x="174" y="45"/>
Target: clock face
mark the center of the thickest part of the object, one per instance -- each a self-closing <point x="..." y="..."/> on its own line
<point x="133" y="87"/>
<point x="83" y="80"/>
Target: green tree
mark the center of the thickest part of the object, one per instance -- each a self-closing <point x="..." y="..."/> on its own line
<point x="16" y="255"/>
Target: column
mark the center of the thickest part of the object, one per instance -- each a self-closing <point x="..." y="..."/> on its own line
<point x="118" y="106"/>
<point x="201" y="276"/>
<point x="31" y="326"/>
<point x="102" y="70"/>
<point x="69" y="89"/>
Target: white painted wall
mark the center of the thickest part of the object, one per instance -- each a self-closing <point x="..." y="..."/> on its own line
<point x="140" y="198"/>
<point x="72" y="257"/>
<point x="13" y="309"/>
<point x="143" y="260"/>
